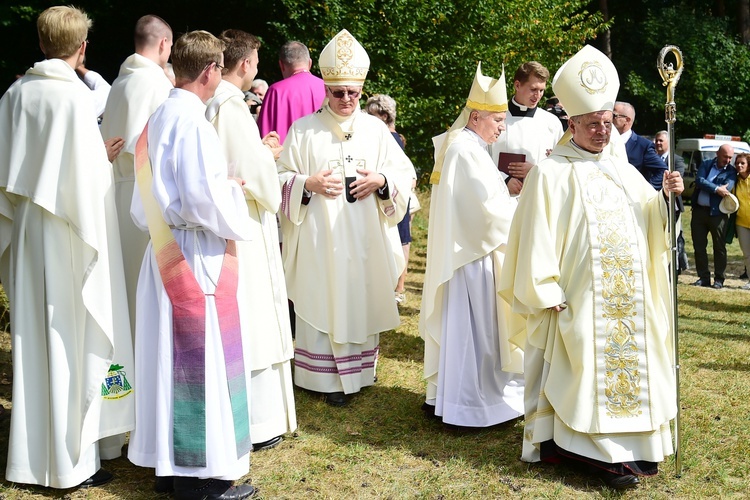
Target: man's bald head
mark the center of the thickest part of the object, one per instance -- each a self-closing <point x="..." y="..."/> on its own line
<point x="153" y="39"/>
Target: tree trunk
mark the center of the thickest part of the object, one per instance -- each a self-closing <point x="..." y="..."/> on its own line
<point x="744" y="20"/>
<point x="606" y="45"/>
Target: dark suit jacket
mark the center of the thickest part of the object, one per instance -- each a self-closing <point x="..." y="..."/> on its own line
<point x="728" y="176"/>
<point x="642" y="155"/>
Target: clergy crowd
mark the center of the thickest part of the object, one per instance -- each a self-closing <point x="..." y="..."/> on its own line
<point x="151" y="263"/>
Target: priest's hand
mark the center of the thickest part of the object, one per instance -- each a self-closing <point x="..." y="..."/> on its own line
<point x="113" y="146"/>
<point x="369" y="183"/>
<point x="514" y="185"/>
<point x="271" y="141"/>
<point x="672" y="183"/>
<point x="559" y="307"/>
<point x="519" y="169"/>
<point x="325" y="184"/>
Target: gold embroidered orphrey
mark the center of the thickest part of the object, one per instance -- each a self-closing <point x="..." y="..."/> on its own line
<point x="622" y="376"/>
<point x="593" y="78"/>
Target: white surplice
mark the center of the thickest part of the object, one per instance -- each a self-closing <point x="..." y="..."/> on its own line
<point x="264" y="308"/>
<point x="136" y="93"/>
<point x="532" y="136"/>
<point x="73" y="371"/>
<point x="589" y="230"/>
<point x="342" y="260"/>
<point x="471" y="367"/>
<point x="205" y="209"/>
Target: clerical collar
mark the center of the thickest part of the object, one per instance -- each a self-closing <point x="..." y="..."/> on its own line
<point x="519" y="109"/>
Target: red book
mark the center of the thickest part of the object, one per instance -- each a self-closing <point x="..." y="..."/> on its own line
<point x="507" y="158"/>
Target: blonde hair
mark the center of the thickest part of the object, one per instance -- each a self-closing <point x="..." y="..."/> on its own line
<point x="62" y="30"/>
<point x="384" y="106"/>
<point x="193" y="51"/>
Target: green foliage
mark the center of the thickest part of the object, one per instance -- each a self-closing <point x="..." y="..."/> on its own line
<point x="424" y="54"/>
<point x="711" y="95"/>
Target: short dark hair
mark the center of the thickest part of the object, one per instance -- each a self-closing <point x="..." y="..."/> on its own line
<point x="531" y="68"/>
<point x="239" y="45"/>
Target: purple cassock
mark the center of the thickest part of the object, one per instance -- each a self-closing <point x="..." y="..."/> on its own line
<point x="288" y="100"/>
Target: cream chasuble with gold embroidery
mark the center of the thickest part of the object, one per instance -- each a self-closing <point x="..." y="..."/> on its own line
<point x="590" y="231"/>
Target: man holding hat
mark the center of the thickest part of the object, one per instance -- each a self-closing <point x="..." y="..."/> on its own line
<point x="713" y="184"/>
<point x="587" y="264"/>
<point x="345" y="184"/>
<point x="468" y="359"/>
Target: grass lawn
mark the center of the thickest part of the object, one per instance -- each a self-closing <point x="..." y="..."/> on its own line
<point x="381" y="446"/>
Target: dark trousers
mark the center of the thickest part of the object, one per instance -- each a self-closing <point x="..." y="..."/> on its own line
<point x="701" y="225"/>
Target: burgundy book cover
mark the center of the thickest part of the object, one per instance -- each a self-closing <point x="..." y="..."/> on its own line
<point x="506" y="158"/>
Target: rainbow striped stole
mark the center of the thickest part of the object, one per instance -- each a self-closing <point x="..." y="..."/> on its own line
<point x="189" y="331"/>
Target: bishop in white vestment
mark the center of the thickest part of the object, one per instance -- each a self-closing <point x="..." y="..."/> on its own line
<point x="61" y="267"/>
<point x="587" y="264"/>
<point x="472" y="369"/>
<point x="345" y="187"/>
<point x="264" y="308"/>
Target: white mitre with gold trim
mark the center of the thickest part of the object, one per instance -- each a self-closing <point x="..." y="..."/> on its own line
<point x="488" y="94"/>
<point x="344" y="61"/>
<point x="586" y="83"/>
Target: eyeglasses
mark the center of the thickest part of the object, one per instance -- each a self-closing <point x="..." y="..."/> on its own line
<point x="619" y="116"/>
<point x="339" y="94"/>
<point x="218" y="66"/>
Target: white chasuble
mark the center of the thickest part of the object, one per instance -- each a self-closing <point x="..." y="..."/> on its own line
<point x="342" y="259"/>
<point x="73" y="371"/>
<point x="591" y="232"/>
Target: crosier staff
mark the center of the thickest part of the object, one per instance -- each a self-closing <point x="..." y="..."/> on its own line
<point x="670" y="74"/>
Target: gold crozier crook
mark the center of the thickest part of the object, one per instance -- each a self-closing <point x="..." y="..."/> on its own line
<point x="670" y="74"/>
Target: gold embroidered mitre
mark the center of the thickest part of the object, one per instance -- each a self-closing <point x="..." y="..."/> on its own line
<point x="344" y="61"/>
<point x="586" y="83"/>
<point x="488" y="94"/>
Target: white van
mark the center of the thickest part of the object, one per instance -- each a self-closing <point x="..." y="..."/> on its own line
<point x="694" y="151"/>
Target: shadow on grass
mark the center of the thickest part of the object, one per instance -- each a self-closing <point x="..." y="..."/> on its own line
<point x="736" y="367"/>
<point x="712" y="305"/>
<point x="401" y="346"/>
<point x="391" y="417"/>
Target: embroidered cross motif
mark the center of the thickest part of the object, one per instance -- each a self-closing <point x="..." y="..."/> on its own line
<point x="349" y="158"/>
<point x="348" y="136"/>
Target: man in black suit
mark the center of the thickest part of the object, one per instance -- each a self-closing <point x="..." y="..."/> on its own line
<point x="641" y="152"/>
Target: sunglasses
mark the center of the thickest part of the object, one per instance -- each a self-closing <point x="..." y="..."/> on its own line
<point x="339" y="94"/>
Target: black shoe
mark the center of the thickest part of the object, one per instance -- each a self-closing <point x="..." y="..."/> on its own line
<point x="101" y="477"/>
<point x="267" y="445"/>
<point x="701" y="282"/>
<point x="718" y="285"/>
<point x="164" y="484"/>
<point x="336" y="399"/>
<point x="743" y="276"/>
<point x="618" y="482"/>
<point x="192" y="488"/>
<point x="429" y="411"/>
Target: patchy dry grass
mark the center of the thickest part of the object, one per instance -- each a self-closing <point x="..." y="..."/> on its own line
<point x="382" y="447"/>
